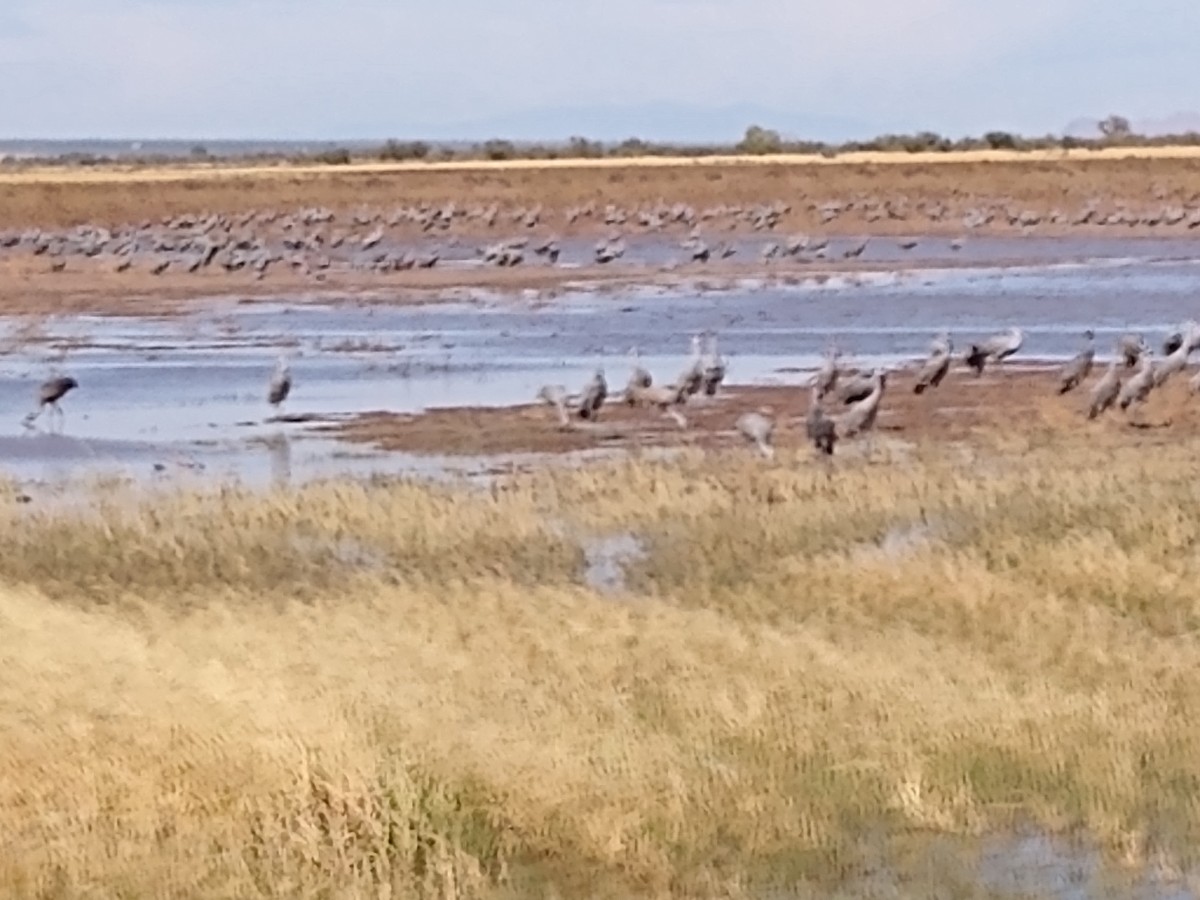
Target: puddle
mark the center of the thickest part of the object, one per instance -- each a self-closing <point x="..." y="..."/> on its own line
<point x="1017" y="866"/>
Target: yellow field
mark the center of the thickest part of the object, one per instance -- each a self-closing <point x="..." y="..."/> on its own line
<point x="398" y="690"/>
<point x="104" y="174"/>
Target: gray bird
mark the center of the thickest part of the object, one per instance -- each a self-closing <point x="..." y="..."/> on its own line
<point x="281" y="383"/>
<point x="996" y="348"/>
<point x="713" y="367"/>
<point x="691" y="380"/>
<point x="854" y="387"/>
<point x="941" y="351"/>
<point x="975" y="358"/>
<point x="1130" y="348"/>
<point x="1076" y="371"/>
<point x="1107" y="389"/>
<point x="555" y="395"/>
<point x="826" y="377"/>
<point x="819" y="428"/>
<point x="1137" y="389"/>
<point x="49" y="393"/>
<point x="594" y="394"/>
<point x="1177" y="359"/>
<point x="758" y="428"/>
<point x="639" y="377"/>
<point x="663" y="397"/>
<point x="1188" y="332"/>
<point x="862" y="414"/>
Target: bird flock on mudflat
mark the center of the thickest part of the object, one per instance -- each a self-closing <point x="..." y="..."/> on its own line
<point x="844" y="403"/>
<point x="316" y="241"/>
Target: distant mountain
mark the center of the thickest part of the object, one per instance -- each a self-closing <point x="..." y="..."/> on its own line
<point x="664" y="122"/>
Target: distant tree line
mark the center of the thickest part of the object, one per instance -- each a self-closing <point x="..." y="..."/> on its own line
<point x="1114" y="131"/>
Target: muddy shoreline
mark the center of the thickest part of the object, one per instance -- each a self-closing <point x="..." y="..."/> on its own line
<point x="145" y="246"/>
<point x="1020" y="404"/>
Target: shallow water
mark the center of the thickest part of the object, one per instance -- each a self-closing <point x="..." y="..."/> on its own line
<point x="173" y="394"/>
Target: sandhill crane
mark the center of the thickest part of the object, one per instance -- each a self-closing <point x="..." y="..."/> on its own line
<point x="853" y="388"/>
<point x="1187" y="333"/>
<point x="593" y="396"/>
<point x="49" y="393"/>
<point x="639" y="377"/>
<point x="555" y="395"/>
<point x="941" y="351"/>
<point x="827" y="375"/>
<point x="281" y="383"/>
<point x="975" y="358"/>
<point x="861" y="416"/>
<point x="1177" y="359"/>
<point x="713" y="367"/>
<point x="819" y="428"/>
<point x="1079" y="367"/>
<point x="1172" y="342"/>
<point x="664" y="397"/>
<point x="1107" y="389"/>
<point x="691" y="380"/>
<point x="856" y="251"/>
<point x="758" y="428"/>
<point x="997" y="348"/>
<point x="1137" y="389"/>
<point x="1130" y="348"/>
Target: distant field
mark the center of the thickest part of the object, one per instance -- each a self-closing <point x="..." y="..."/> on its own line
<point x="859" y="184"/>
<point x="123" y="172"/>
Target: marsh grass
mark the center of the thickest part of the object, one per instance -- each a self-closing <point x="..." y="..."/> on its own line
<point x="400" y="689"/>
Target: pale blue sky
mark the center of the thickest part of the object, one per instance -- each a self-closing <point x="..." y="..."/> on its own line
<point x="375" y="68"/>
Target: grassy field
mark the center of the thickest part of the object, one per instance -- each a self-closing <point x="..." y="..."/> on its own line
<point x="401" y="690"/>
<point x="116" y="172"/>
<point x="1038" y="181"/>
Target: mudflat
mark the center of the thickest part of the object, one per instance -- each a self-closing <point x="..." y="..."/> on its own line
<point x="1020" y="405"/>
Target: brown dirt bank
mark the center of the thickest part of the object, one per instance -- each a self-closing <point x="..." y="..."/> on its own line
<point x="1039" y="185"/>
<point x="30" y="287"/>
<point x="1019" y="405"/>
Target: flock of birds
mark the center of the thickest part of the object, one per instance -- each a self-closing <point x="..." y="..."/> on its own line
<point x="858" y="395"/>
<point x="314" y="240"/>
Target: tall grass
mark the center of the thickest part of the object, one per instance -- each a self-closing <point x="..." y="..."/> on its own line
<point x="393" y="689"/>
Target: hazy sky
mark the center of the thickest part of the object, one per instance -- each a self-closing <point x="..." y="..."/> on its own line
<point x="374" y="68"/>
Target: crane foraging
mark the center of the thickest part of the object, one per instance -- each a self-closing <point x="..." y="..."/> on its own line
<point x="1079" y="367"/>
<point x="931" y="374"/>
<point x="758" y="428"/>
<point x="49" y="393"/>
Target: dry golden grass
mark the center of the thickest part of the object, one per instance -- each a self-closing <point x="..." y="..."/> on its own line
<point x="159" y="173"/>
<point x="404" y="690"/>
<point x="1146" y="177"/>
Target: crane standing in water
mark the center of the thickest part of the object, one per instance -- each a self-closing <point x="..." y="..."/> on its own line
<point x="280" y="385"/>
<point x="49" y="393"/>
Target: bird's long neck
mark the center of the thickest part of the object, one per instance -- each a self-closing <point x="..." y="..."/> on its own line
<point x="876" y="394"/>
